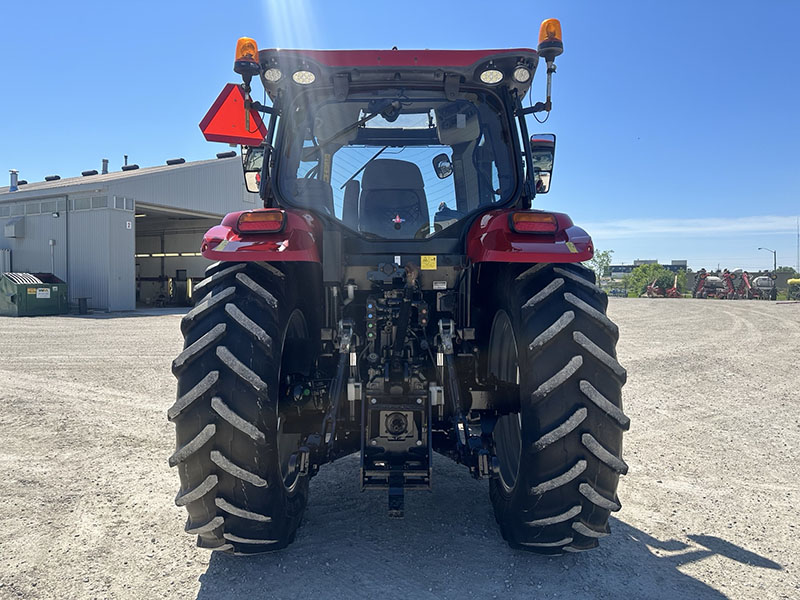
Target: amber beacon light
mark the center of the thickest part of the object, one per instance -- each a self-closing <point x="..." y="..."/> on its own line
<point x="246" y="62"/>
<point x="550" y="40"/>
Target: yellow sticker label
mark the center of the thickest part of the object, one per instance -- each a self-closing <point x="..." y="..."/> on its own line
<point x="326" y="167"/>
<point x="31" y="291"/>
<point x="427" y="263"/>
<point x="572" y="247"/>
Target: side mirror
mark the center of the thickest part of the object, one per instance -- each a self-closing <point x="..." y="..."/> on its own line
<point x="543" y="150"/>
<point x="252" y="161"/>
<point x="442" y="166"/>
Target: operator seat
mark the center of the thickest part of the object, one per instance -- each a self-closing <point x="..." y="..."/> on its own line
<point x="393" y="203"/>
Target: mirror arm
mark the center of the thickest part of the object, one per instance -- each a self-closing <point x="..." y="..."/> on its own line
<point x="537" y="108"/>
<point x="256" y="105"/>
<point x="547" y="105"/>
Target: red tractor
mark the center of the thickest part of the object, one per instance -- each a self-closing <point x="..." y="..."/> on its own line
<point x="395" y="296"/>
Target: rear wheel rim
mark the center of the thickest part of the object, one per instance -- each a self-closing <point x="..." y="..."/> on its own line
<point x="504" y="366"/>
<point x="288" y="443"/>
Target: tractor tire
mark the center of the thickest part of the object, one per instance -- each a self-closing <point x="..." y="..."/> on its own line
<point x="238" y="471"/>
<point x="560" y="456"/>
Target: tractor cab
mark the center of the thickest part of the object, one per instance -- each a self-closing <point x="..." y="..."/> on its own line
<point x="396" y="144"/>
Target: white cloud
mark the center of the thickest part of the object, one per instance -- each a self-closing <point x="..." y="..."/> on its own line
<point x="636" y="228"/>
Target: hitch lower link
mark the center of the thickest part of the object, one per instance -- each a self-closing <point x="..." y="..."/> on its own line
<point x="474" y="448"/>
<point x="320" y="446"/>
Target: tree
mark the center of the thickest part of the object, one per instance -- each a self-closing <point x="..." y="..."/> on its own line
<point x="600" y="263"/>
<point x="681" y="280"/>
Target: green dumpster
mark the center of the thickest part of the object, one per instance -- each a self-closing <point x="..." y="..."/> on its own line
<point x="29" y="294"/>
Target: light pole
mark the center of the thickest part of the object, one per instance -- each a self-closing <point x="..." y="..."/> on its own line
<point x="774" y="258"/>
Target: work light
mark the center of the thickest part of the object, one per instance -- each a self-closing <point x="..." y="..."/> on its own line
<point x="304" y="77"/>
<point x="491" y="76"/>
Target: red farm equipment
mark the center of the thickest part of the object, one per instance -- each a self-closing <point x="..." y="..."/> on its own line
<point x="729" y="285"/>
<point x="709" y="286"/>
<point x="673" y="291"/>
<point x="395" y="296"/>
<point x="764" y="287"/>
<point x="744" y="288"/>
<point x="737" y="285"/>
<point x="656" y="291"/>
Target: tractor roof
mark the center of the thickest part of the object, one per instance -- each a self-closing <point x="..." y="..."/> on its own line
<point x="405" y="66"/>
<point x="398" y="58"/>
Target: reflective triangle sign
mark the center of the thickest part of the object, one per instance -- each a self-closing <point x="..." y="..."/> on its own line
<point x="226" y="121"/>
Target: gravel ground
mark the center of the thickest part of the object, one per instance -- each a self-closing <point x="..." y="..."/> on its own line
<point x="709" y="506"/>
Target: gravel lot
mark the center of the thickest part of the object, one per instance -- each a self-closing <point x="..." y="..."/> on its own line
<point x="709" y="507"/>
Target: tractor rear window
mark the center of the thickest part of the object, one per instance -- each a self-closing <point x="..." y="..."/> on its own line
<point x="396" y="164"/>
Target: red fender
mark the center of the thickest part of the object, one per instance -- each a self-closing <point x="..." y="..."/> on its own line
<point x="491" y="239"/>
<point x="297" y="241"/>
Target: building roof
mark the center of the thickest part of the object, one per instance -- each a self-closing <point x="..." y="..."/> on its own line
<point x="45" y="188"/>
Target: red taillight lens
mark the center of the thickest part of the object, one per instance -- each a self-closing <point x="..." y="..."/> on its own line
<point x="261" y="221"/>
<point x="530" y="222"/>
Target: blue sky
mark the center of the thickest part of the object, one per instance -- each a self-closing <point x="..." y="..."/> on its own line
<point x="678" y="123"/>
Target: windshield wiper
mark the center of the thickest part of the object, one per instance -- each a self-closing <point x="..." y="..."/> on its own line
<point x="390" y="108"/>
<point x="364" y="166"/>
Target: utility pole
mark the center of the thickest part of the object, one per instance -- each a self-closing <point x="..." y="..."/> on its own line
<point x="774" y="258"/>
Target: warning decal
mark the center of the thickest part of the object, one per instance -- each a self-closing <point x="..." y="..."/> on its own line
<point x="427" y="263"/>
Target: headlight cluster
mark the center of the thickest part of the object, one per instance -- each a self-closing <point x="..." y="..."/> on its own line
<point x="493" y="76"/>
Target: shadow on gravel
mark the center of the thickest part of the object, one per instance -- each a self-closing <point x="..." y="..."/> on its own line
<point x="448" y="546"/>
<point x="129" y="314"/>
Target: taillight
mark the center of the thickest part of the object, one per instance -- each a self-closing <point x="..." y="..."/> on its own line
<point x="261" y="221"/>
<point x="533" y="222"/>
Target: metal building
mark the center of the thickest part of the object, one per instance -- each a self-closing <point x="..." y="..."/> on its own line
<point x="118" y="238"/>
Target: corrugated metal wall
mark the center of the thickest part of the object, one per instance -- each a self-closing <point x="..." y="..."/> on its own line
<point x="122" y="265"/>
<point x="89" y="266"/>
<point x="32" y="252"/>
<point x="5" y="260"/>
<point x="215" y="188"/>
<point x="93" y="220"/>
